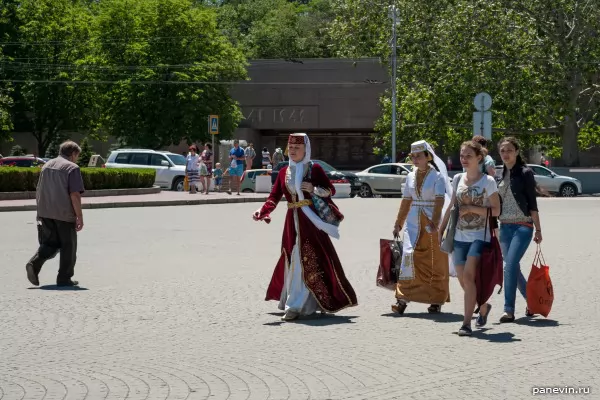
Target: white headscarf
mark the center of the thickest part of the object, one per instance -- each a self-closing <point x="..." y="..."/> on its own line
<point x="298" y="170"/>
<point x="444" y="171"/>
<point x="423" y="145"/>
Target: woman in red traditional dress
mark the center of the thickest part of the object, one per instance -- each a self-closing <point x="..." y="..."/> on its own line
<point x="308" y="276"/>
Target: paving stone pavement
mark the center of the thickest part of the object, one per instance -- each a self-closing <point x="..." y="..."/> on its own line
<point x="173" y="309"/>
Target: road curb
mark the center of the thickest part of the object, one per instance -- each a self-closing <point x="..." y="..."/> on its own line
<point x="30" y="195"/>
<point x="158" y="203"/>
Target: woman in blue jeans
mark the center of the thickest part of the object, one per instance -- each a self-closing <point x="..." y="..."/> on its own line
<point x="518" y="218"/>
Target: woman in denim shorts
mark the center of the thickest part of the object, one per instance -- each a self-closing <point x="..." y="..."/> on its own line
<point x="475" y="193"/>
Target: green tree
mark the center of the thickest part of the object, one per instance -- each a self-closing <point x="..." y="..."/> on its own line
<point x="5" y="105"/>
<point x="278" y="28"/>
<point x="17" y="150"/>
<point x="7" y="34"/>
<point x="170" y="68"/>
<point x="51" y="39"/>
<point x="52" y="149"/>
<point x="538" y="61"/>
<point x="86" y="153"/>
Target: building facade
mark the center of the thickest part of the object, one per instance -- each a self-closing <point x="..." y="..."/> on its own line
<point x="335" y="101"/>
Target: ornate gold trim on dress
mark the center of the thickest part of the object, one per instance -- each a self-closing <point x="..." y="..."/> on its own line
<point x="301" y="203"/>
<point x="423" y="203"/>
<point x="420" y="179"/>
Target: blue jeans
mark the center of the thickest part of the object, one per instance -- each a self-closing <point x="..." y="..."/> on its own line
<point x="514" y="241"/>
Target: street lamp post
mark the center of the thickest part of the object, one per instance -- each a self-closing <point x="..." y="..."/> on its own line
<point x="394" y="17"/>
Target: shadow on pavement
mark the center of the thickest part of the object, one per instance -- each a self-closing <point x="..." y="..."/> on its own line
<point x="500" y="337"/>
<point x="537" y="322"/>
<point x="318" y="320"/>
<point x="441" y="317"/>
<point x="326" y="320"/>
<point x="60" y="288"/>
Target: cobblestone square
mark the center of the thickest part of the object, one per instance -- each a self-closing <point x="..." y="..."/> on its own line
<point x="171" y="306"/>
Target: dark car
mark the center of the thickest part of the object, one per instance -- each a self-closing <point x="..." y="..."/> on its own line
<point x="21" y="161"/>
<point x="332" y="173"/>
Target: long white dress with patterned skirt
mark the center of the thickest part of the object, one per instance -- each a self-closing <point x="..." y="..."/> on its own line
<point x="424" y="200"/>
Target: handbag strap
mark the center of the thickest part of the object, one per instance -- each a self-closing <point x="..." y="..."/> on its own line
<point x="538" y="259"/>
<point x="455" y="182"/>
<point x="487" y="219"/>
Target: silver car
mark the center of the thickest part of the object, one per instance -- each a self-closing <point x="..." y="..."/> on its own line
<point x="383" y="179"/>
<point x="548" y="180"/>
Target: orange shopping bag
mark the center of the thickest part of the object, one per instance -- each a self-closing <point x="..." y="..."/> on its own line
<point x="540" y="294"/>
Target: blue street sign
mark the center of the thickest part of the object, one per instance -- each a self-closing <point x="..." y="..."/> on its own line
<point x="213" y="124"/>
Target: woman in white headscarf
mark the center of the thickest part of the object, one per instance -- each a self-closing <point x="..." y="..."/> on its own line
<point x="308" y="276"/>
<point x="424" y="273"/>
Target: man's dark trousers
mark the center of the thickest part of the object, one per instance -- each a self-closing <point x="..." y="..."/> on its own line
<point x="55" y="236"/>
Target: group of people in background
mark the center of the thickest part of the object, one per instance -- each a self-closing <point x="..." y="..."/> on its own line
<point x="199" y="168"/>
<point x="309" y="277"/>
<point x="267" y="160"/>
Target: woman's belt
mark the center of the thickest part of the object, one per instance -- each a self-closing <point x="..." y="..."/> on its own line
<point x="422" y="203"/>
<point x="301" y="203"/>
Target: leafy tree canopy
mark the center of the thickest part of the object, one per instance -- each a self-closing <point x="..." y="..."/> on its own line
<point x="171" y="66"/>
<point x="539" y="62"/>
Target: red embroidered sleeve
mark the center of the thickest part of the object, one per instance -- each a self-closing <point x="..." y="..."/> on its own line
<point x="320" y="179"/>
<point x="274" y="197"/>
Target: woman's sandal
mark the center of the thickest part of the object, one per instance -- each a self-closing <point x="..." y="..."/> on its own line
<point x="465" y="330"/>
<point x="434" y="309"/>
<point x="507" y="318"/>
<point x="528" y="314"/>
<point x="399" y="307"/>
<point x="482" y="319"/>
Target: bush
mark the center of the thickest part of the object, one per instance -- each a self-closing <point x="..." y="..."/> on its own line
<point x="117" y="178"/>
<point x="14" y="179"/>
<point x="86" y="153"/>
<point x="17" y="151"/>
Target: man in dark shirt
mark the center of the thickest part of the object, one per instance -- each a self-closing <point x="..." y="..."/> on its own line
<point x="59" y="215"/>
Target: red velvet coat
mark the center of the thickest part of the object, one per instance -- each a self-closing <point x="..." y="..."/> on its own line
<point x="321" y="268"/>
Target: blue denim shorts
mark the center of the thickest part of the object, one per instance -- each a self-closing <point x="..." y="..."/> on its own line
<point x="462" y="250"/>
<point x="237" y="171"/>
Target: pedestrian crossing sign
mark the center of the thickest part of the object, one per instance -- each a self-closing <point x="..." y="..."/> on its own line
<point x="213" y="124"/>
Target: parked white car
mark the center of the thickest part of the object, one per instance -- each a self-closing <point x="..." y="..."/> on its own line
<point x="342" y="187"/>
<point x="170" y="167"/>
<point x="563" y="186"/>
<point x="383" y="179"/>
